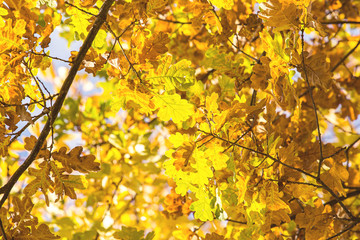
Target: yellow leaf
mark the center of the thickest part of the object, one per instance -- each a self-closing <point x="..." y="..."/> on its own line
<point x="177" y="139"/>
<point x="215" y="155"/>
<point x="211" y="105"/>
<point x="226" y="4"/>
<point x="283" y="16"/>
<point x="273" y="200"/>
<point x="173" y="107"/>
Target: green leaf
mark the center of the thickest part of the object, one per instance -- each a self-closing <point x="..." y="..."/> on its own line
<point x="100" y="39"/>
<point x="202" y="206"/>
<point x="180" y="75"/>
<point x="129" y="233"/>
<point x="276" y="43"/>
<point x="173" y="107"/>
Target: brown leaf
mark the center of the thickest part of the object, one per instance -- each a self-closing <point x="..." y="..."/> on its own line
<point x="261" y="74"/>
<point x="214" y="236"/>
<point x="154" y="46"/>
<point x="317" y="70"/>
<point x="30" y="142"/>
<point x="23" y="114"/>
<point x="42" y="232"/>
<point x="279" y="15"/>
<point x="73" y="161"/>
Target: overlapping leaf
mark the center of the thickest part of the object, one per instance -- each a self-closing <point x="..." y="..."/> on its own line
<point x="173" y="107"/>
<point x="74" y="161"/>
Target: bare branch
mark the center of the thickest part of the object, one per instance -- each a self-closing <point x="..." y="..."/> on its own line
<point x="348" y="195"/>
<point x="340" y="22"/>
<point x="345" y="57"/>
<point x="313" y="102"/>
<point x="45" y="55"/>
<point x="173" y="21"/>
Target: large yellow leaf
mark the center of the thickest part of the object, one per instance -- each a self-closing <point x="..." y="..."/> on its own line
<point x="280" y="15"/>
<point x="173" y="107"/>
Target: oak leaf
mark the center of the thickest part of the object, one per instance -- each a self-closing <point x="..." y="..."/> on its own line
<point x="317" y="70"/>
<point x="154" y="46"/>
<point x="280" y="14"/>
<point x="42" y="232"/>
<point x="214" y="236"/>
<point x="261" y="74"/>
<point x="42" y="180"/>
<point x="73" y="161"/>
<point x="173" y="107"/>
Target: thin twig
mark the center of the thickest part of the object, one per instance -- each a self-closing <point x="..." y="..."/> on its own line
<point x="239" y="138"/>
<point x="237" y="47"/>
<point x="80" y="9"/>
<point x="2" y="230"/>
<point x="17" y="134"/>
<point x="343" y="231"/>
<point x="173" y="21"/>
<point x="28" y="104"/>
<point x="294" y="182"/>
<point x="347" y="152"/>
<point x="123" y="50"/>
<point x="261" y="153"/>
<point x="337" y="198"/>
<point x="324" y="186"/>
<point x="45" y="55"/>
<point x="345" y="57"/>
<point x="348" y="195"/>
<point x="130" y="63"/>
<point x="235" y="221"/>
<point x="59" y="101"/>
<point x="340" y="22"/>
<point x="313" y="103"/>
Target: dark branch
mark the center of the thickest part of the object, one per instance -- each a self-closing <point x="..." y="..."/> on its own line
<point x="313" y="102"/>
<point x="340" y="22"/>
<point x="343" y="231"/>
<point x="260" y="153"/>
<point x="173" y="21"/>
<point x="59" y="101"/>
<point x="45" y="55"/>
<point x="348" y="195"/>
<point x="345" y="57"/>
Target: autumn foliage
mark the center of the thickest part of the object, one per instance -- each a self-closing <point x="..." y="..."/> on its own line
<point x="233" y="119"/>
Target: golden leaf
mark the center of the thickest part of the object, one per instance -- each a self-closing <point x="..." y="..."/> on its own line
<point x="73" y="161"/>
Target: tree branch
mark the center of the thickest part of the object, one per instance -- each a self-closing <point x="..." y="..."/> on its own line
<point x="100" y="19"/>
<point x="340" y="22"/>
<point x="345" y="57"/>
<point x="348" y="195"/>
<point x="343" y="231"/>
<point x="313" y="102"/>
<point x="172" y="21"/>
